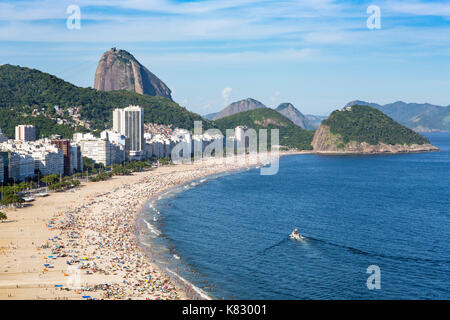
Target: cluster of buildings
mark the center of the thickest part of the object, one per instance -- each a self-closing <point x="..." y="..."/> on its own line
<point x="25" y="157"/>
<point x="128" y="141"/>
<point x="68" y="116"/>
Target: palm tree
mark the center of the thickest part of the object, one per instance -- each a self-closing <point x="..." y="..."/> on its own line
<point x="3" y="216"/>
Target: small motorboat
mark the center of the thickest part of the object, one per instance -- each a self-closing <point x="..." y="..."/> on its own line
<point x="295" y="235"/>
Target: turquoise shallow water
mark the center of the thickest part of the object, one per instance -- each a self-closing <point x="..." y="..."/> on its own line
<point x="229" y="235"/>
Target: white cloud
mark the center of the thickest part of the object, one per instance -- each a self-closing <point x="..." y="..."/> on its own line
<point x="308" y="23"/>
<point x="226" y="93"/>
<point x="419" y="8"/>
<point x="274" y="98"/>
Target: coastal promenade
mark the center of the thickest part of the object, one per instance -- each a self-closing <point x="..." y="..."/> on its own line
<point x="82" y="244"/>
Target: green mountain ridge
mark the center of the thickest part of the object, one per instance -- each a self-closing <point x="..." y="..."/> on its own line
<point x="423" y="117"/>
<point x="367" y="124"/>
<point x="29" y="96"/>
<point x="291" y="135"/>
<point x="23" y="90"/>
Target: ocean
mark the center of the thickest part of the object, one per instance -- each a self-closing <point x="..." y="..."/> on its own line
<point x="228" y="235"/>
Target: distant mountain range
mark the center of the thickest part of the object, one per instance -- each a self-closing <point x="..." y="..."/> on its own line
<point x="315" y="120"/>
<point x="210" y="116"/>
<point x="239" y="106"/>
<point x="290" y="134"/>
<point x="286" y="109"/>
<point x="423" y="117"/>
<point x="289" y="111"/>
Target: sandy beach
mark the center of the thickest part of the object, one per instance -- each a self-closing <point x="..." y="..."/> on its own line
<point x="81" y="244"/>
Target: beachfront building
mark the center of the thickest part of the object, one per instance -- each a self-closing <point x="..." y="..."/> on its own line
<point x="246" y="139"/>
<point x="4" y="156"/>
<point x="120" y="143"/>
<point x="49" y="160"/>
<point x="17" y="166"/>
<point x="76" y="159"/>
<point x="25" y="133"/>
<point x="64" y="146"/>
<point x="183" y="139"/>
<point x="159" y="145"/>
<point x="242" y="138"/>
<point x="130" y="123"/>
<point x="97" y="149"/>
<point x="26" y="167"/>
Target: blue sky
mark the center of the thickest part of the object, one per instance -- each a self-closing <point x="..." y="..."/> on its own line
<point x="317" y="54"/>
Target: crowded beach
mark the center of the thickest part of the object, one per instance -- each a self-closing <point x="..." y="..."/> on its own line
<point x="83" y="244"/>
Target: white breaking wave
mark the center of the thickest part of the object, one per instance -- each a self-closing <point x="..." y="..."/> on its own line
<point x="152" y="229"/>
<point x="196" y="289"/>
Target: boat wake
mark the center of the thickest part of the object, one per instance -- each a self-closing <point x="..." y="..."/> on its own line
<point x="358" y="251"/>
<point x="379" y="255"/>
<point x="273" y="246"/>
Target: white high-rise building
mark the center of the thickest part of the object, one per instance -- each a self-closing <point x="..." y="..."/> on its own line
<point x="130" y="122"/>
<point x="26" y="166"/>
<point x="119" y="142"/>
<point x="49" y="160"/>
<point x="25" y="133"/>
<point x="76" y="159"/>
<point x="24" y="157"/>
<point x="98" y="150"/>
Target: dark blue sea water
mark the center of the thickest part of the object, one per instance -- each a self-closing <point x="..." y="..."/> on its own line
<point x="393" y="211"/>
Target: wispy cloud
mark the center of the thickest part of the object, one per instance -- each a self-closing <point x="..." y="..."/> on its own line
<point x="419" y="8"/>
<point x="307" y="23"/>
<point x="274" y="98"/>
<point x="226" y="92"/>
<point x="224" y="34"/>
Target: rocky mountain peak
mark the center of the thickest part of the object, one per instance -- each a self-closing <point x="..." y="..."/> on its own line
<point x="239" y="106"/>
<point x="288" y="110"/>
<point x="119" y="70"/>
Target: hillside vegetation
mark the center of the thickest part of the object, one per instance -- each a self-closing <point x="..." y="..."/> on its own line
<point x="367" y="124"/>
<point x="290" y="135"/>
<point x="420" y="117"/>
<point x="23" y="89"/>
